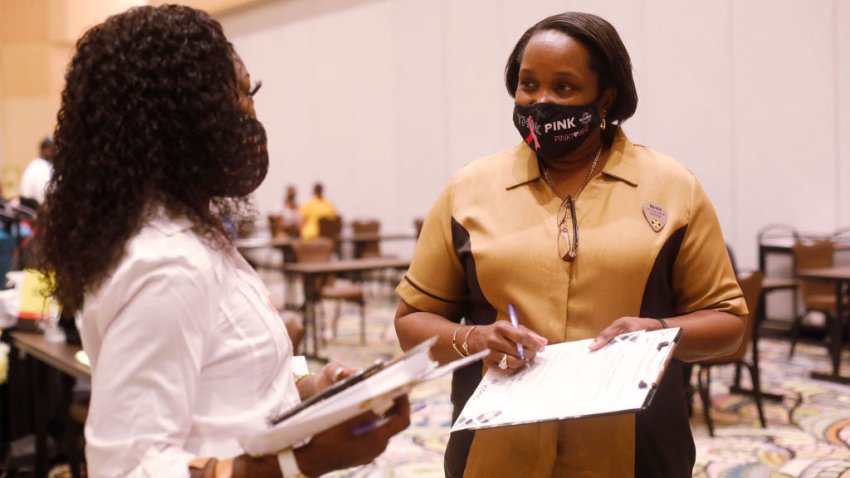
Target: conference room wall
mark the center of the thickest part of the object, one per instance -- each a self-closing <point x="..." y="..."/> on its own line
<point x="383" y="99"/>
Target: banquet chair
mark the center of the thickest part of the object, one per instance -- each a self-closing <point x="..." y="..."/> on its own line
<point x="331" y="228"/>
<point x="366" y="248"/>
<point x="769" y="235"/>
<point x="841" y="236"/>
<point x="321" y="250"/>
<point x="751" y="287"/>
<point x="276" y="225"/>
<point x="817" y="296"/>
<point x="777" y="231"/>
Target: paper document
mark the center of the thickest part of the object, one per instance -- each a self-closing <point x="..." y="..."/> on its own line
<point x="373" y="389"/>
<point x="567" y="380"/>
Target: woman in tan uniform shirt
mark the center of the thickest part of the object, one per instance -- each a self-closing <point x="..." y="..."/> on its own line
<point x="506" y="230"/>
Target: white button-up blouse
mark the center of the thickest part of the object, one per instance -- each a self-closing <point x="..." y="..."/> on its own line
<point x="187" y="353"/>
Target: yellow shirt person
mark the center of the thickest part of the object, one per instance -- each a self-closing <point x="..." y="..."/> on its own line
<point x="313" y="210"/>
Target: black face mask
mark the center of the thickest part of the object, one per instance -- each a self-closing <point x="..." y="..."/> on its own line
<point x="249" y="168"/>
<point x="554" y="131"/>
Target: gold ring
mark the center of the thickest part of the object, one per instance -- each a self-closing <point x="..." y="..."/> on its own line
<point x="503" y="364"/>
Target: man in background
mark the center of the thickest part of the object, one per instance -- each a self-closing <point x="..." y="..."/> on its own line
<point x="311" y="211"/>
<point x="36" y="176"/>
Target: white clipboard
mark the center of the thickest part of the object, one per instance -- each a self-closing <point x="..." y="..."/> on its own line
<point x="567" y="380"/>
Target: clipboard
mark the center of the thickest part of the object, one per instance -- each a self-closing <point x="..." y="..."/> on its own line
<point x="568" y="381"/>
<point x="375" y="389"/>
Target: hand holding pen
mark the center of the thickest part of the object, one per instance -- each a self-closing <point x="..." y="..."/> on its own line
<point x="512" y="346"/>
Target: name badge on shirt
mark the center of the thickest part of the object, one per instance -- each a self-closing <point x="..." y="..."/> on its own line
<point x="655" y="215"/>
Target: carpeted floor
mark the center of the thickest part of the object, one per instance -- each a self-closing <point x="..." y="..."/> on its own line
<point x="813" y="440"/>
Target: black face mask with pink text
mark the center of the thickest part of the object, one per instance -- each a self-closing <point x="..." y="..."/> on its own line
<point x="554" y="131"/>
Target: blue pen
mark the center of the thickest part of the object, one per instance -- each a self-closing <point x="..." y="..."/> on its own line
<point x="381" y="421"/>
<point x="515" y="322"/>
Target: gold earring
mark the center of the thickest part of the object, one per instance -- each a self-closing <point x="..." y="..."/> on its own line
<point x="602" y="125"/>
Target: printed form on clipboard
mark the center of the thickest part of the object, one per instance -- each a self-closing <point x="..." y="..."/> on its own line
<point x="374" y="389"/>
<point x="567" y="380"/>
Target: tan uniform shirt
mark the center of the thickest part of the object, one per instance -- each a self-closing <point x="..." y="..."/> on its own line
<point x="491" y="238"/>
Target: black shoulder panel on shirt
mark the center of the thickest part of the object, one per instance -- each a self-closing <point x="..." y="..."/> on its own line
<point x="664" y="445"/>
<point x="658" y="300"/>
<point x="477" y="311"/>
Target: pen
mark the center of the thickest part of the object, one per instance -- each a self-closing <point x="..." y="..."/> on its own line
<point x="381" y="421"/>
<point x="515" y="323"/>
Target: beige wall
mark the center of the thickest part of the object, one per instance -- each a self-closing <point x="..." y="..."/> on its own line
<point x="36" y="43"/>
<point x="383" y="99"/>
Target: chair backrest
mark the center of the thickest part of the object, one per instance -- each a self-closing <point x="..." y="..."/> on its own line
<point x="332" y="229"/>
<point x="319" y="249"/>
<point x="813" y="254"/>
<point x="276" y="225"/>
<point x="246" y="228"/>
<point x="841" y="235"/>
<point x="366" y="248"/>
<point x="751" y="286"/>
<point x="777" y="231"/>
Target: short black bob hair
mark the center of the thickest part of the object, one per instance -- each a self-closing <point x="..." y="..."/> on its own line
<point x="608" y="57"/>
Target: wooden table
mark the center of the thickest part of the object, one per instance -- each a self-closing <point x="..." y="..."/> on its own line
<point x="783" y="245"/>
<point x="46" y="356"/>
<point x="311" y="274"/>
<point x="840" y="276"/>
<point x="57" y="355"/>
<point x="250" y="243"/>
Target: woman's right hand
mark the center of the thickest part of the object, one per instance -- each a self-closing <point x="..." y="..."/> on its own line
<point x="502" y="338"/>
<point x="344" y="445"/>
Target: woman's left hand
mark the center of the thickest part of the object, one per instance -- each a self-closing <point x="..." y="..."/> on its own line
<point x="623" y="325"/>
<point x="330" y="374"/>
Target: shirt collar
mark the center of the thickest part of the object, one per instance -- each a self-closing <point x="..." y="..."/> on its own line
<point x="526" y="168"/>
<point x="621" y="162"/>
<point x="161" y="220"/>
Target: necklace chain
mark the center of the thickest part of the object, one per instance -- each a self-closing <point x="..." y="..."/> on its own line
<point x="551" y="184"/>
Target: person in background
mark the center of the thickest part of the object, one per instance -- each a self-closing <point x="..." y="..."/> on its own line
<point x="157" y="139"/>
<point x="506" y="229"/>
<point x="316" y="208"/>
<point x="291" y="216"/>
<point x="36" y="176"/>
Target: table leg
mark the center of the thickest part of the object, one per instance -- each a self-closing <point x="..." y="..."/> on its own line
<point x="39" y="374"/>
<point x="837" y="341"/>
<point x="310" y="316"/>
<point x="312" y="297"/>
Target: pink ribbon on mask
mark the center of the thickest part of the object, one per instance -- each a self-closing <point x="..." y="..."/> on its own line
<point x="532" y="136"/>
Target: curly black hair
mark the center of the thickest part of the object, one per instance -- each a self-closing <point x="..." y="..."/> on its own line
<point x="150" y="115"/>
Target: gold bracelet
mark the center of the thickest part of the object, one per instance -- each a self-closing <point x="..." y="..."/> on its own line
<point x="465" y="345"/>
<point x="455" y="344"/>
<point x="299" y="378"/>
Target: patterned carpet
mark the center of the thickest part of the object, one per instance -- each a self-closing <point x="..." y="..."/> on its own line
<point x="807" y="434"/>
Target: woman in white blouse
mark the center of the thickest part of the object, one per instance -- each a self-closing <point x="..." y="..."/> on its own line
<point x="157" y="138"/>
